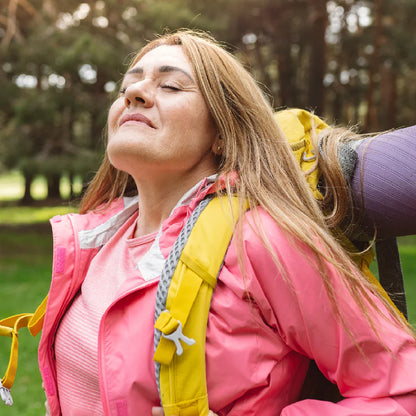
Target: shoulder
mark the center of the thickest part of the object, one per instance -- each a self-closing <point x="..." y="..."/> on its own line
<point x="276" y="263"/>
<point x="119" y="208"/>
<point x="94" y="228"/>
<point x="264" y="239"/>
<point x="264" y="254"/>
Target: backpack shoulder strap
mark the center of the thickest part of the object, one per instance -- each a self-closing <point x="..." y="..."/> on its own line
<point x="9" y="327"/>
<point x="182" y="306"/>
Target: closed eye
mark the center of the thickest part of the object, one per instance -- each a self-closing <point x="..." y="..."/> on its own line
<point x="170" y="87"/>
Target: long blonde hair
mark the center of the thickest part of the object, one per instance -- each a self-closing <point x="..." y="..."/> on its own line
<point x="255" y="148"/>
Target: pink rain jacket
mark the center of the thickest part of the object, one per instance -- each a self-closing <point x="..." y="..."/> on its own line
<point x="262" y="330"/>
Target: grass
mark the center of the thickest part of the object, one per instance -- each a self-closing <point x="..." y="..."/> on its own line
<point x="12" y="186"/>
<point x="408" y="258"/>
<point x="22" y="215"/>
<point x="25" y="263"/>
<point x="25" y="270"/>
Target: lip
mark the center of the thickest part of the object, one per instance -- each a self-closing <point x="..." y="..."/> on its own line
<point x="137" y="117"/>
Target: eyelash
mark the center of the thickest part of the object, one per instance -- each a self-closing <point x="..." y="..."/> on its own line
<point x="171" y="87"/>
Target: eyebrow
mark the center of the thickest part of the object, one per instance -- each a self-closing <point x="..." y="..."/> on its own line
<point x="162" y="69"/>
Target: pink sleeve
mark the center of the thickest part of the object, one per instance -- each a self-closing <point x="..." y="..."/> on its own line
<point x="375" y="381"/>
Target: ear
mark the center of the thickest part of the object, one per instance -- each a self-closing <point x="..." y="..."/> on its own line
<point x="218" y="146"/>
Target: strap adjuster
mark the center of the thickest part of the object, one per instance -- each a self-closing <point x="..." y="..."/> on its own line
<point x="177" y="336"/>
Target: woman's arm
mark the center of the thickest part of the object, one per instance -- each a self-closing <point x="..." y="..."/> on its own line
<point x="375" y="372"/>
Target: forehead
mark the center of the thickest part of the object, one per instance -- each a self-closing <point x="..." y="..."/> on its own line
<point x="164" y="55"/>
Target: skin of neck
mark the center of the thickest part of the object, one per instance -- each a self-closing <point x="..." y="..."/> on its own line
<point x="158" y="197"/>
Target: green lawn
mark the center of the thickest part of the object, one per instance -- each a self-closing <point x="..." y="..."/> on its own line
<point x="25" y="259"/>
<point x="12" y="186"/>
<point x="408" y="257"/>
<point x="25" y="264"/>
<point x="22" y="215"/>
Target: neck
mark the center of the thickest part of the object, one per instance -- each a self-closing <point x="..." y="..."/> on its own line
<point x="157" y="200"/>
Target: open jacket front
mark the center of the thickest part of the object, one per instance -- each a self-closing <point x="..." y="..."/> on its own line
<point x="263" y="328"/>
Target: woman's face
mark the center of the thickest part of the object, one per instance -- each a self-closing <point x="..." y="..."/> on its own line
<point x="160" y="124"/>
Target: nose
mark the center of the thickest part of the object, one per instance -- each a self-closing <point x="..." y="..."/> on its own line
<point x="139" y="93"/>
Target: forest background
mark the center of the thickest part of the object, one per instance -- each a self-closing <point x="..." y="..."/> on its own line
<point x="61" y="62"/>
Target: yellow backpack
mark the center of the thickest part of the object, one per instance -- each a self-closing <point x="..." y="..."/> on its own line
<point x="186" y="286"/>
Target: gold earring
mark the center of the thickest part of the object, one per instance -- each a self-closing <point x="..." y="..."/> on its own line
<point x="218" y="148"/>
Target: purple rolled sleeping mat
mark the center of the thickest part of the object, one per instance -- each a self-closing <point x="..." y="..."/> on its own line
<point x="384" y="193"/>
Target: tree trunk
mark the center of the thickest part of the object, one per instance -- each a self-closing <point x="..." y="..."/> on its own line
<point x="286" y="96"/>
<point x="27" y="197"/>
<point x="337" y="103"/>
<point x="53" y="186"/>
<point x="388" y="98"/>
<point x="319" y="20"/>
<point x="371" y="123"/>
<point x="71" y="178"/>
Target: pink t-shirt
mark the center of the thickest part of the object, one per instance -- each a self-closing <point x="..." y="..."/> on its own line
<point x="76" y="344"/>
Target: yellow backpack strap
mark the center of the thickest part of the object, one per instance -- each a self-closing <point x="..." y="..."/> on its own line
<point x="183" y="301"/>
<point x="9" y="327"/>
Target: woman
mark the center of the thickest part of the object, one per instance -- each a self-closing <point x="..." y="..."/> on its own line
<point x="189" y="122"/>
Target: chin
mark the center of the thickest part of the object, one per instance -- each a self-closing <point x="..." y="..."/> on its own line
<point x="130" y="159"/>
<point x="120" y="157"/>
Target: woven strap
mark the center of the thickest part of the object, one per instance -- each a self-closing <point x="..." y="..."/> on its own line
<point x="182" y="306"/>
<point x="9" y="327"/>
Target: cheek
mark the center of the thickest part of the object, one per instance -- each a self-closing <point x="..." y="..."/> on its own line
<point x="195" y="120"/>
<point x="114" y="115"/>
<point x="205" y="125"/>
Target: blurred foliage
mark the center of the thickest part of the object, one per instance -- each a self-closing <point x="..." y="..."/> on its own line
<point x="61" y="63"/>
